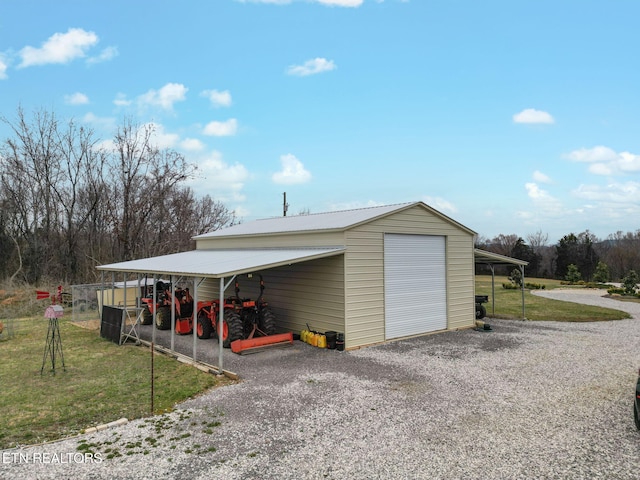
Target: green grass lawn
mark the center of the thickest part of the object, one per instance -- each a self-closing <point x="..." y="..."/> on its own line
<point x="102" y="383"/>
<point x="508" y="303"/>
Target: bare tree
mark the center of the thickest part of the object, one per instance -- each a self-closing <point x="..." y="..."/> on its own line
<point x="141" y="177"/>
<point x="539" y="244"/>
<point x="504" y="244"/>
<point x="30" y="166"/>
<point x="620" y="252"/>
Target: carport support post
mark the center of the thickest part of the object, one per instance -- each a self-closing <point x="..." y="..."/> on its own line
<point x="101" y="296"/>
<point x="194" y="323"/>
<point x="522" y="271"/>
<point x="220" y="330"/>
<point x="124" y="311"/>
<point x="493" y="289"/>
<point x="173" y="311"/>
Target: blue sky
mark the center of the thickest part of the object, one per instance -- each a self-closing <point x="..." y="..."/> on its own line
<point x="508" y="116"/>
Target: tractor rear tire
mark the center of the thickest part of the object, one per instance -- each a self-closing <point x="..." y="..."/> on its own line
<point x="163" y="318"/>
<point x="267" y="322"/>
<point x="147" y="316"/>
<point x="235" y="330"/>
<point x="204" y="328"/>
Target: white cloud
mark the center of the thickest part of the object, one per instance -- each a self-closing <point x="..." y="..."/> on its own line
<point x="628" y="192"/>
<point x="76" y="99"/>
<point x="165" y="97"/>
<point x="536" y="193"/>
<point x="293" y="171"/>
<point x="341" y="3"/>
<point x="218" y="98"/>
<point x="312" y="67"/>
<point x="440" y="204"/>
<point x="545" y="206"/>
<point x="59" y="48"/>
<point x="121" y="100"/>
<point x="544" y="201"/>
<point x="104" y="56"/>
<point x="192" y="145"/>
<point x="214" y="176"/>
<point x="160" y="138"/>
<point x="531" y="115"/>
<point x="538" y="176"/>
<point x="3" y="67"/>
<point x="221" y="129"/>
<point x="596" y="154"/>
<point x="606" y="161"/>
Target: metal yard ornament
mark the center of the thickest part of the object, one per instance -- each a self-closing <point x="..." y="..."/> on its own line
<point x="53" y="347"/>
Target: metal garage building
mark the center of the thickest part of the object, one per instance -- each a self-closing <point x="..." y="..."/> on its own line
<point x="374" y="273"/>
<point x="402" y="270"/>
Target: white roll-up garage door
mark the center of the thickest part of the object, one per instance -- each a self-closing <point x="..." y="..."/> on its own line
<point x="415" y="284"/>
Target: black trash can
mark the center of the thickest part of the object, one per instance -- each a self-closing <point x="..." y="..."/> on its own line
<point x="331" y="339"/>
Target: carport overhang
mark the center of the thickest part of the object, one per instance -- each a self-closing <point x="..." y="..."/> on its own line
<point x="217" y="264"/>
<point x="221" y="263"/>
<point x="492" y="259"/>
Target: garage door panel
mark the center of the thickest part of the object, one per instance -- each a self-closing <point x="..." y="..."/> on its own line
<point x="415" y="284"/>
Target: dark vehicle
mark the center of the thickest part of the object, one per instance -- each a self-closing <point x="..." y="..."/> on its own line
<point x="481" y="312"/>
<point x="636" y="403"/>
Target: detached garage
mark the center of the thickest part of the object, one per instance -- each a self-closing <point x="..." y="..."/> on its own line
<point x="388" y="272"/>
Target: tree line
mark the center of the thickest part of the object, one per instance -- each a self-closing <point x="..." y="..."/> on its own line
<point x="70" y="201"/>
<point x="573" y="257"/>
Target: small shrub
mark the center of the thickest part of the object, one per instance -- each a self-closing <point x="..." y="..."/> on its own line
<point x="573" y="275"/>
<point x="601" y="275"/>
<point x="516" y="277"/>
<point x="630" y="282"/>
<point x="510" y="286"/>
<point x="615" y="291"/>
<point x="535" y="286"/>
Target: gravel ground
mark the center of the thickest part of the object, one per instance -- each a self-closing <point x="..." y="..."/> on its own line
<point x="525" y="400"/>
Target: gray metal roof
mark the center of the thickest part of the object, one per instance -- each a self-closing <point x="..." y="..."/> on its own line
<point x="221" y="262"/>
<point x="300" y="223"/>
<point x="482" y="256"/>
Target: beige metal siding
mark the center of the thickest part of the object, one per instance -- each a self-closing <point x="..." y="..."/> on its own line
<point x="364" y="272"/>
<point x="304" y="293"/>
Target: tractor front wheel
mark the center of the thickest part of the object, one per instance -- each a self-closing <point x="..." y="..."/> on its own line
<point x="204" y="325"/>
<point x="234" y="329"/>
<point x="163" y="318"/>
<point x="147" y="316"/>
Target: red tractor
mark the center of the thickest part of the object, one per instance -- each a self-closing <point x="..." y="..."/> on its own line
<point x="162" y="305"/>
<point x="244" y="318"/>
<point x="257" y="317"/>
<point x="207" y="314"/>
<point x="207" y="325"/>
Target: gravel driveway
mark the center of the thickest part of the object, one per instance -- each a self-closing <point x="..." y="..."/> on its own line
<point x="526" y="400"/>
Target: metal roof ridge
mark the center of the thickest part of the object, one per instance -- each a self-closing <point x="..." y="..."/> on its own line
<point x="331" y="212"/>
